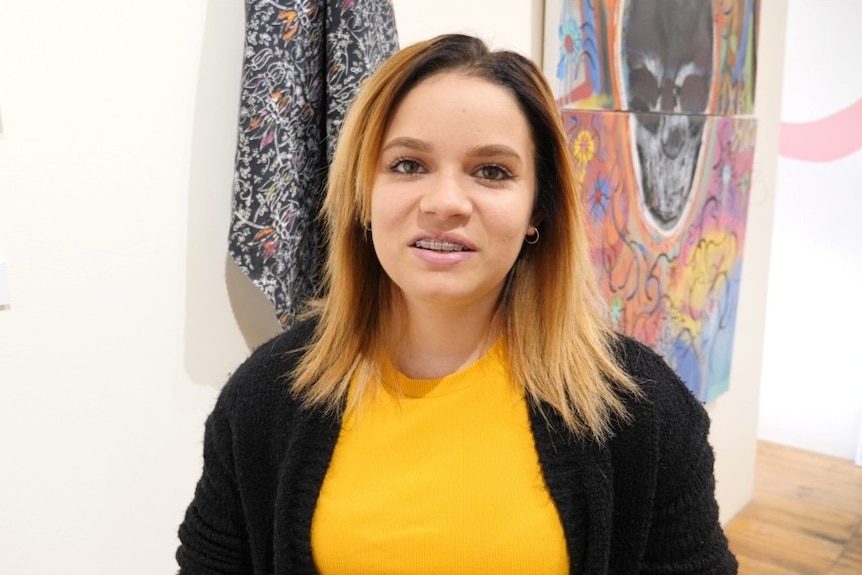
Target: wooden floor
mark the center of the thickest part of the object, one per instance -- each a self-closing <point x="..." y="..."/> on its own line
<point x="805" y="518"/>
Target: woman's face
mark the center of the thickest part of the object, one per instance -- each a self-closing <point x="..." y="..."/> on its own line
<point x="453" y="196"/>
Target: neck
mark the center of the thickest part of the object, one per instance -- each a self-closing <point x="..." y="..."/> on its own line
<point x="436" y="342"/>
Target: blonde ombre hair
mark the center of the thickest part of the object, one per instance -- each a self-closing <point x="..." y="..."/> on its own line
<point x="560" y="348"/>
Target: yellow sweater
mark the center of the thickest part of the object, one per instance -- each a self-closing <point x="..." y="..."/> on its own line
<point x="439" y="476"/>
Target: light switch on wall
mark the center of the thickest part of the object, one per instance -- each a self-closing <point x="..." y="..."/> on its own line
<point x="4" y="284"/>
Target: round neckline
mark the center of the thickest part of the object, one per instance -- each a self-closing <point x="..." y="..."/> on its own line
<point x="468" y="376"/>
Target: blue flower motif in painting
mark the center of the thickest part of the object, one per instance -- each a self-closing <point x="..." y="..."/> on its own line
<point x="599" y="199"/>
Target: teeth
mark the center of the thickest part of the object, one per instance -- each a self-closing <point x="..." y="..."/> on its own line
<point x="439" y="246"/>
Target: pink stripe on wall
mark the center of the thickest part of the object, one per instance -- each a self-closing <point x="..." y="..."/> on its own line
<point x="824" y="140"/>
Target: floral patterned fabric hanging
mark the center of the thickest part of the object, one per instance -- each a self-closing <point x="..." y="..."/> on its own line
<point x="304" y="62"/>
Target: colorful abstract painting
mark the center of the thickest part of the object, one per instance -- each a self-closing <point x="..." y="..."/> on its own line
<point x="656" y="96"/>
<point x="670" y="269"/>
<point x="681" y="56"/>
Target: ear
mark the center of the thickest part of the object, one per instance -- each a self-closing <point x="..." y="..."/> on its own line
<point x="536" y="219"/>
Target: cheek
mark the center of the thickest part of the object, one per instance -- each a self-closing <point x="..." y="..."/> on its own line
<point x="374" y="205"/>
<point x="512" y="234"/>
<point x="385" y="207"/>
<point x="387" y="218"/>
<point x="512" y="220"/>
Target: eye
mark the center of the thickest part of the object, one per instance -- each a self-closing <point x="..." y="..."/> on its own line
<point x="643" y="90"/>
<point x="694" y="93"/>
<point x="405" y="166"/>
<point x="493" y="172"/>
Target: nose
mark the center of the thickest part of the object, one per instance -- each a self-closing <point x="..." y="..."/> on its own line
<point x="667" y="96"/>
<point x="446" y="197"/>
<point x="673" y="129"/>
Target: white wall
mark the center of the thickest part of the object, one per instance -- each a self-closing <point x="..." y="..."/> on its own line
<point x="511" y="24"/>
<point x="735" y="414"/>
<point x="115" y="167"/>
<point x="812" y="385"/>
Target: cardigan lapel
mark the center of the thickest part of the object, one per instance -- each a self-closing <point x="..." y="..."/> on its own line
<point x="300" y="480"/>
<point x="579" y="477"/>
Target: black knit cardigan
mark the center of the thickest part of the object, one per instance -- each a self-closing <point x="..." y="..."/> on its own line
<point x="643" y="502"/>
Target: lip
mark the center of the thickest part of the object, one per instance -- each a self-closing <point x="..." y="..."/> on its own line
<point x="443" y="258"/>
<point x="445" y="237"/>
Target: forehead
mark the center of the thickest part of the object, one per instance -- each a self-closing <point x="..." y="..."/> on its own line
<point x="456" y="100"/>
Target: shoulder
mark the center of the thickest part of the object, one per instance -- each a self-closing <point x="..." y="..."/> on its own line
<point x="663" y="391"/>
<point x="667" y="421"/>
<point x="263" y="379"/>
<point x="666" y="434"/>
<point x="663" y="471"/>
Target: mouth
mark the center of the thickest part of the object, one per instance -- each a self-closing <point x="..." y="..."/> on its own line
<point x="441" y="246"/>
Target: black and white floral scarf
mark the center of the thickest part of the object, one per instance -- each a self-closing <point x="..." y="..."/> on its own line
<point x="304" y="62"/>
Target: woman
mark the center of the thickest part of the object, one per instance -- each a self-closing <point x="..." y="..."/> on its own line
<point x="455" y="402"/>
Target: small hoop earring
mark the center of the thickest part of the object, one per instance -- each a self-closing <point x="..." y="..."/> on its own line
<point x="535" y="237"/>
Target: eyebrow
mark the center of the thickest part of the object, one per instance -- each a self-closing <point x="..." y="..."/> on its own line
<point x="494" y="150"/>
<point x="409" y="143"/>
<point x="488" y="151"/>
